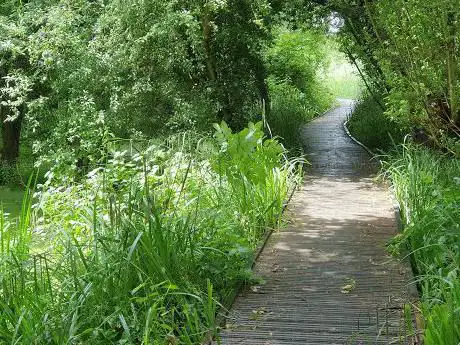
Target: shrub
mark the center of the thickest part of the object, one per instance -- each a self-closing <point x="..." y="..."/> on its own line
<point x="143" y="248"/>
<point x="296" y="63"/>
<point x="370" y="125"/>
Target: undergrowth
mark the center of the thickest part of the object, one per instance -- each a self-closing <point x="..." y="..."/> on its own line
<point x="427" y="186"/>
<point x="291" y="109"/>
<point x="341" y="76"/>
<point x="296" y="64"/>
<point x="142" y="250"/>
<point x="373" y="128"/>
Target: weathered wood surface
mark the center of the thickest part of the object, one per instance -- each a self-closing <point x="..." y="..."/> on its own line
<point x="338" y="224"/>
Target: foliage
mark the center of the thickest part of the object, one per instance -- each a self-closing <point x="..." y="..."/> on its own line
<point x="341" y="77"/>
<point x="443" y="320"/>
<point x="296" y="56"/>
<point x="142" y="249"/>
<point x="411" y="56"/>
<point x="370" y="125"/>
<point x="296" y="63"/>
<point x="16" y="175"/>
<point x="408" y="52"/>
<point x="427" y="187"/>
<point x="195" y="62"/>
<point x="10" y="200"/>
<point x="246" y="153"/>
<point x="146" y="70"/>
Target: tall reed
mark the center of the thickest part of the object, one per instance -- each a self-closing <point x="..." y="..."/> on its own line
<point x="427" y="186"/>
<point x="142" y="250"/>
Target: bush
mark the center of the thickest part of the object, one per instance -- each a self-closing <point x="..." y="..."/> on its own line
<point x="8" y="174"/>
<point x="141" y="250"/>
<point x="408" y="51"/>
<point x="296" y="63"/>
<point x="427" y="187"/>
<point x="17" y="174"/>
<point x="290" y="110"/>
<point x="370" y="125"/>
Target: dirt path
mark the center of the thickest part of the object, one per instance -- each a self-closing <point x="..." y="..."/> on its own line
<point x="328" y="278"/>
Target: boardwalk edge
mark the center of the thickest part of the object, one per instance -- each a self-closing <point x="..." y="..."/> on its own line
<point x="228" y="304"/>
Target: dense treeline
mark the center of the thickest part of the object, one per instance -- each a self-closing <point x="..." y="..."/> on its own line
<point x="75" y="74"/>
<point x="148" y="215"/>
<point x="408" y="53"/>
<point x="77" y="69"/>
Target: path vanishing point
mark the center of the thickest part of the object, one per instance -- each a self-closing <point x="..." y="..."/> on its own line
<point x="328" y="278"/>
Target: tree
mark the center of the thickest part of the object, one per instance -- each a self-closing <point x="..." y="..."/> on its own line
<point x="409" y="52"/>
<point x="80" y="71"/>
<point x="15" y="86"/>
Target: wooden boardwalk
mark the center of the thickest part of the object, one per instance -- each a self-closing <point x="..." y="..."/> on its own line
<point x="328" y="278"/>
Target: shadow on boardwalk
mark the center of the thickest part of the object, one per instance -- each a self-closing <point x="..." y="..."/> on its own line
<point x="328" y="278"/>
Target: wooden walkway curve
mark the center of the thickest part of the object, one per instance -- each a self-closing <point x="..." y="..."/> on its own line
<point x="328" y="277"/>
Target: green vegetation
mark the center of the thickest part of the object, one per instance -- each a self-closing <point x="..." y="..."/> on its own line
<point x="68" y="87"/>
<point x="428" y="187"/>
<point x="144" y="219"/>
<point x="298" y="94"/>
<point x="407" y="52"/>
<point x="343" y="81"/>
<point x="373" y="128"/>
<point x="11" y="200"/>
<point x="142" y="249"/>
<point x="409" y="57"/>
<point x="341" y="77"/>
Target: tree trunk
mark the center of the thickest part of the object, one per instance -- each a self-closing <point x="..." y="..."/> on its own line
<point x="363" y="78"/>
<point x="452" y="69"/>
<point x="207" y="38"/>
<point x="261" y="74"/>
<point x="11" y="134"/>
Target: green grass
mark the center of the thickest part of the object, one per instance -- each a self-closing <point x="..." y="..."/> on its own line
<point x="342" y="79"/>
<point x="11" y="200"/>
<point x="427" y="185"/>
<point x="341" y="76"/>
